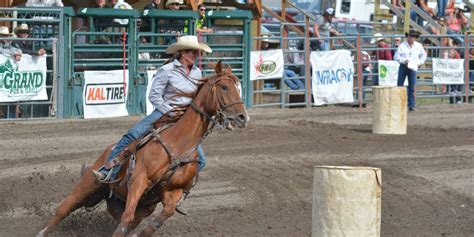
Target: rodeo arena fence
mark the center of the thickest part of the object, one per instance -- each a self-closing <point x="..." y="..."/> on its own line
<point x="100" y="62"/>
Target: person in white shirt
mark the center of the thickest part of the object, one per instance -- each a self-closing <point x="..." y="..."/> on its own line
<point x="410" y="54"/>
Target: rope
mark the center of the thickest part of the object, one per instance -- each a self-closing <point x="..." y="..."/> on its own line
<point x="124" y="42"/>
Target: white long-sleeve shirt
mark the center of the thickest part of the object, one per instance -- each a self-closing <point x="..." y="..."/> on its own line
<point x="169" y="82"/>
<point x="415" y="55"/>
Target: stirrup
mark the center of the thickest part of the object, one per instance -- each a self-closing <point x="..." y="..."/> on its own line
<point x="105" y="180"/>
<point x="178" y="207"/>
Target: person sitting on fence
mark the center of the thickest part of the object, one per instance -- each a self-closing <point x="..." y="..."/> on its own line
<point x="325" y="28"/>
<point x="23" y="32"/>
<point x="6" y="47"/>
<point x="457" y="22"/>
<point x="201" y="23"/>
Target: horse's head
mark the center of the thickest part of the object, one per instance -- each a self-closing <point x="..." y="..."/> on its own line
<point x="220" y="97"/>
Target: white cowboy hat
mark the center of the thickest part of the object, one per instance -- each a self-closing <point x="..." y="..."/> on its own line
<point x="4" y="31"/>
<point x="169" y="2"/>
<point x="22" y="27"/>
<point x="271" y="41"/>
<point x="377" y="37"/>
<point x="187" y="42"/>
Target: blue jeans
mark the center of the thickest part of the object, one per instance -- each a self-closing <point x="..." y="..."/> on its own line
<point x="458" y="38"/>
<point x="294" y="84"/>
<point x="441" y="7"/>
<point x="140" y="129"/>
<point x="403" y="72"/>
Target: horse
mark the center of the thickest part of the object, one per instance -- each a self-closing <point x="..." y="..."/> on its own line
<point x="165" y="167"/>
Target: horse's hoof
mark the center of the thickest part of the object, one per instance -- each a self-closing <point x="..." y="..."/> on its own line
<point x="42" y="233"/>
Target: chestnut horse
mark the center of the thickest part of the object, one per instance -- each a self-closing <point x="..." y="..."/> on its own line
<point x="165" y="167"/>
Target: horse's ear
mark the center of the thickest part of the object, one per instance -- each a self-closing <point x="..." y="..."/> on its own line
<point x="218" y="67"/>
<point x="228" y="69"/>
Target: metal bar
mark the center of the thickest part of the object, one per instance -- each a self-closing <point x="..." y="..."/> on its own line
<point x="359" y="72"/>
<point x="466" y="66"/>
<point x="307" y="63"/>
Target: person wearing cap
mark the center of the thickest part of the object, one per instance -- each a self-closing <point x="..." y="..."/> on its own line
<point x="23" y="32"/>
<point x="325" y="28"/>
<point x="6" y="47"/>
<point x="173" y="26"/>
<point x="178" y="76"/>
<point x="383" y="52"/>
<point x="410" y="54"/>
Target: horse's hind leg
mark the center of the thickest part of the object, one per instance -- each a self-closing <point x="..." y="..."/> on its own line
<point x="86" y="186"/>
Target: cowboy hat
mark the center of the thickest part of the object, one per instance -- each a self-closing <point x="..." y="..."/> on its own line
<point x="187" y="42"/>
<point x="22" y="27"/>
<point x="266" y="38"/>
<point x="377" y="37"/>
<point x="413" y="33"/>
<point x="330" y="11"/>
<point x="169" y="2"/>
<point x="4" y="31"/>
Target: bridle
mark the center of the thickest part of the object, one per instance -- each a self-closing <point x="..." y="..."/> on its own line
<point x="219" y="118"/>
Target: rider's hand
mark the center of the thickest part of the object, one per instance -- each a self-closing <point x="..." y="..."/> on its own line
<point x="176" y="112"/>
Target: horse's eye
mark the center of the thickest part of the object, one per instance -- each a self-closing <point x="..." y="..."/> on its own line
<point x="225" y="88"/>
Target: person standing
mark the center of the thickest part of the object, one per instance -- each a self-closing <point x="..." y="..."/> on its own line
<point x="410" y="54"/>
<point x="326" y="28"/>
<point x="201" y="23"/>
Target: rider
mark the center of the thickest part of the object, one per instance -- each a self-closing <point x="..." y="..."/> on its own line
<point x="178" y="76"/>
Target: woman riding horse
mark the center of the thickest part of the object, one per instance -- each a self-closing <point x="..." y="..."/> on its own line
<point x="170" y="84"/>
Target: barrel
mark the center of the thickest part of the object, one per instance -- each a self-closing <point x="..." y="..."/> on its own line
<point x="346" y="201"/>
<point x="389" y="110"/>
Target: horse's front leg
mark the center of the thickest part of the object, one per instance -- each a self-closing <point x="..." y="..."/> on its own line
<point x="170" y="198"/>
<point x="138" y="186"/>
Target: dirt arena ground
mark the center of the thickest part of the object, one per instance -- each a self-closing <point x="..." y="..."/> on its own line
<point x="258" y="180"/>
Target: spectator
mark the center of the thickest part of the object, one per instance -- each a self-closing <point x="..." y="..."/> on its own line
<point x="44" y="3"/>
<point x="201" y="24"/>
<point x="410" y="54"/>
<point x="6" y="47"/>
<point x="434" y="30"/>
<point x="326" y="28"/>
<point x="23" y="32"/>
<point x="101" y="23"/>
<point x="173" y="26"/>
<point x="154" y="4"/>
<point x="396" y="42"/>
<point x="146" y="26"/>
<point x="383" y="53"/>
<point x="441" y="5"/>
<point x="413" y="15"/>
<point x="120" y="4"/>
<point x="456" y="22"/>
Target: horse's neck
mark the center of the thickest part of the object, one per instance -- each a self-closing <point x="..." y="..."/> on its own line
<point x="190" y="128"/>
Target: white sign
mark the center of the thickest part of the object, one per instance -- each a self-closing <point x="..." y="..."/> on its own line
<point x="24" y="80"/>
<point x="267" y="64"/>
<point x="104" y="94"/>
<point x="448" y="71"/>
<point x="333" y="76"/>
<point x="388" y="73"/>
<point x="149" y="106"/>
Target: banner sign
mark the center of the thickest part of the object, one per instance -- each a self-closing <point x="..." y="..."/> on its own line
<point x="149" y="106"/>
<point x="388" y="73"/>
<point x="104" y="94"/>
<point x="24" y="80"/>
<point x="333" y="76"/>
<point x="267" y="64"/>
<point x="448" y="71"/>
